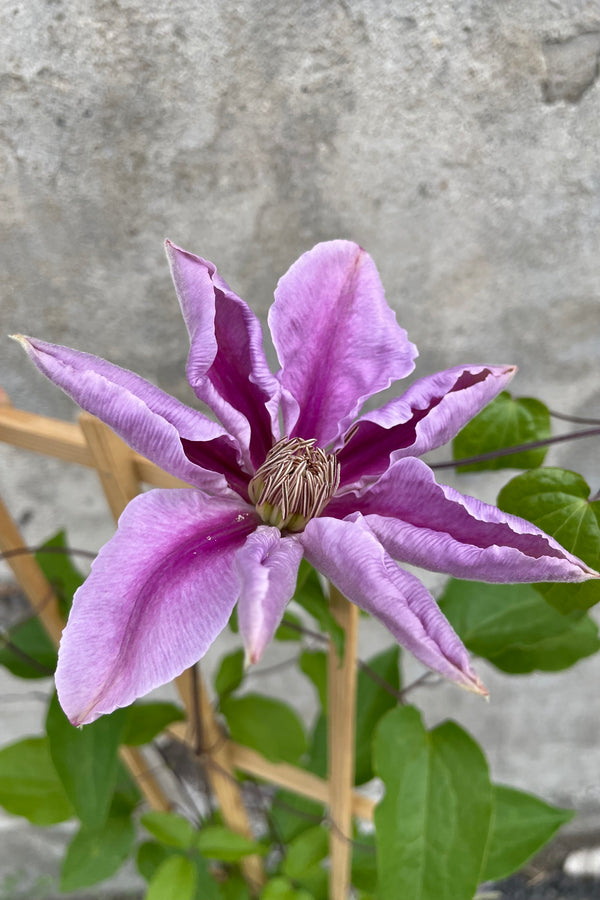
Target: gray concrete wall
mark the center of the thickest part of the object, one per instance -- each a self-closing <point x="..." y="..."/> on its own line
<point x="458" y="142"/>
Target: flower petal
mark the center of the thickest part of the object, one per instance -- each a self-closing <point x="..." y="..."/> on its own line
<point x="159" y="593"/>
<point x="431" y="525"/>
<point x="337" y="339"/>
<point x="227" y="367"/>
<point x="430" y="413"/>
<point x="148" y="419"/>
<point x="267" y="567"/>
<point x="350" y="555"/>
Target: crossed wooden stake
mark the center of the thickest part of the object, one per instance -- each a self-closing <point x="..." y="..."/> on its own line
<point x="122" y="472"/>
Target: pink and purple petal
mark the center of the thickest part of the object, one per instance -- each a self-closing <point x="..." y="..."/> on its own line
<point x="227" y="367"/>
<point x="267" y="567"/>
<point x="350" y="555"/>
<point x="429" y="414"/>
<point x="337" y="339"/>
<point x="159" y="593"/>
<point x="432" y="525"/>
<point x="149" y="420"/>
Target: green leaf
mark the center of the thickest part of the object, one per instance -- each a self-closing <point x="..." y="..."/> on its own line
<point x="314" y="665"/>
<point x="317" y="758"/>
<point x="86" y="760"/>
<point x="513" y="627"/>
<point x="235" y="888"/>
<point x="218" y="842"/>
<point x="267" y="725"/>
<point x="230" y="674"/>
<point x="175" y="879"/>
<point x="302" y="863"/>
<point x="145" y="721"/>
<point x="372" y="702"/>
<point x="150" y="856"/>
<point x="433" y="823"/>
<point x="505" y="422"/>
<point x="557" y="501"/>
<point x="292" y="814"/>
<point x="170" y="829"/>
<point x="96" y="854"/>
<point x="287" y="633"/>
<point x="309" y="595"/>
<point x="522" y="824"/>
<point x="364" y="862"/>
<point x="64" y="577"/>
<point x="282" y="889"/>
<point x="29" y="784"/>
<point x="31" y="639"/>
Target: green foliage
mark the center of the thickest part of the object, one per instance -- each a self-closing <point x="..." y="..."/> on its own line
<point x="175" y="879"/>
<point x="145" y="721"/>
<point x="505" y="422"/>
<point x="230" y="674"/>
<point x="432" y="825"/>
<point x="292" y="814"/>
<point x="234" y="888"/>
<point x="513" y="627"/>
<point x="96" y="853"/>
<point x="521" y="825"/>
<point x="150" y="856"/>
<point x="309" y="595"/>
<point x="170" y="829"/>
<point x="283" y="889"/>
<point x="29" y="785"/>
<point x="557" y="501"/>
<point x="269" y="726"/>
<point x="37" y="656"/>
<point x="218" y="842"/>
<point x="286" y="631"/>
<point x="86" y="760"/>
<point x="304" y="858"/>
<point x="58" y="568"/>
<point x="372" y="702"/>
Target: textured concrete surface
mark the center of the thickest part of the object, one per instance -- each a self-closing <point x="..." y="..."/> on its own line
<point x="457" y="142"/>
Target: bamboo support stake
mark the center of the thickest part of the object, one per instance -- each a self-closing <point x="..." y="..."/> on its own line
<point x="341" y="686"/>
<point x="36" y="586"/>
<point x="115" y="464"/>
<point x="284" y="775"/>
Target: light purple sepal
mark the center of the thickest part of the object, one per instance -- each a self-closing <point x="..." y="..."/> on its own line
<point x="159" y="593"/>
<point x="227" y="367"/>
<point x="337" y="340"/>
<point x="349" y="554"/>
<point x="429" y="414"/>
<point x="267" y="567"/>
<point x="149" y="420"/>
<point x="434" y="526"/>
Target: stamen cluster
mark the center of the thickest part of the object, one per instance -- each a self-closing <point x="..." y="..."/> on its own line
<point x="294" y="484"/>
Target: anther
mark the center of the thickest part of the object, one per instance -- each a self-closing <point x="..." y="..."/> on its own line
<point x="294" y="484"/>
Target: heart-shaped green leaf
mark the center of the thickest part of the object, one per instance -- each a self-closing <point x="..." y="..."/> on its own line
<point x="432" y="825"/>
<point x="558" y="501"/>
<point x="505" y="422"/>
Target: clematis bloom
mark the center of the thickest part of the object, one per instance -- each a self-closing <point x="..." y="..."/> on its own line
<point x="344" y="490"/>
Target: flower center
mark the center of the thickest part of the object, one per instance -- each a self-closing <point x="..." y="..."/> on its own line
<point x="294" y="484"/>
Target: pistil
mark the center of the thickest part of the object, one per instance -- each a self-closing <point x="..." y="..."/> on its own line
<point x="294" y="484"/>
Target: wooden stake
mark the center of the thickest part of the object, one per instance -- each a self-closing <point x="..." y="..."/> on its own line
<point x="341" y="685"/>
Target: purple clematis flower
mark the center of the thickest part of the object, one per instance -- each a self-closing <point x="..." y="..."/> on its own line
<point x="349" y="494"/>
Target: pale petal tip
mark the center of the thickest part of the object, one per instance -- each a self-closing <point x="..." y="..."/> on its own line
<point x="20" y="339"/>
